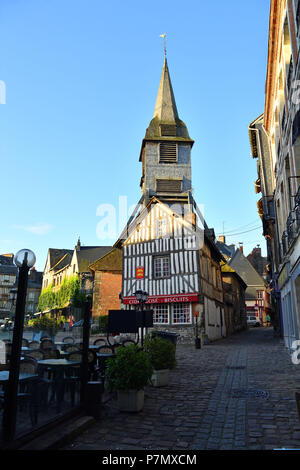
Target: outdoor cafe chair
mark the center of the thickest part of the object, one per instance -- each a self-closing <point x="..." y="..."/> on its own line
<point x="107" y="351"/>
<point x="92" y="364"/>
<point x="34" y="344"/>
<point x="46" y="344"/>
<point x="68" y="340"/>
<point x="100" y="341"/>
<point x="70" y="348"/>
<point x="51" y="353"/>
<point x="43" y="338"/>
<point x="36" y="354"/>
<point x="28" y="393"/>
<point x="128" y="342"/>
<point x="25" y="342"/>
<point x="72" y="377"/>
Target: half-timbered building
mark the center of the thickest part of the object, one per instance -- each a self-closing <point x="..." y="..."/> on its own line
<point x="167" y="247"/>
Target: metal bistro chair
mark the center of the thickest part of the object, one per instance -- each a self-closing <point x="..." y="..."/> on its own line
<point x="72" y="375"/>
<point x="46" y="344"/>
<point x="100" y="341"/>
<point x="29" y="392"/>
<point x="128" y="342"/>
<point x="102" y="360"/>
<point x="93" y="365"/>
<point x="36" y="354"/>
<point x="68" y="340"/>
<point x="34" y="344"/>
<point x="70" y="348"/>
<point x="25" y="342"/>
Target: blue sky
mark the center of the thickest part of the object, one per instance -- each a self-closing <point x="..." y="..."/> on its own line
<point x="81" y="83"/>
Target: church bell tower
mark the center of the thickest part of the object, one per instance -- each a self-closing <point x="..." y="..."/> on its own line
<point x="166" y="150"/>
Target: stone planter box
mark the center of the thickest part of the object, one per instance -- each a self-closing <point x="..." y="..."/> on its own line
<point x="130" y="400"/>
<point x="160" y="378"/>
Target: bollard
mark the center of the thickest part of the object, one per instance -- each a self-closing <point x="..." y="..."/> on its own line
<point x="93" y="398"/>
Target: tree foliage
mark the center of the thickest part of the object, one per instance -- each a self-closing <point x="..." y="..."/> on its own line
<point x="69" y="291"/>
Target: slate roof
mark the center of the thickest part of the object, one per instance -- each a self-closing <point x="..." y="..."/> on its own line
<point x="8" y="269"/>
<point x="248" y="273"/>
<point x="56" y="255"/>
<point x="226" y="250"/>
<point x="165" y="112"/>
<point x="6" y="260"/>
<point x="89" y="254"/>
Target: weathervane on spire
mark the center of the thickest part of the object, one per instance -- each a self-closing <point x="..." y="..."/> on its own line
<point x="164" y="36"/>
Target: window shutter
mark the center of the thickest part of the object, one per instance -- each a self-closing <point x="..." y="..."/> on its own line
<point x="168" y="186"/>
<point x="168" y="152"/>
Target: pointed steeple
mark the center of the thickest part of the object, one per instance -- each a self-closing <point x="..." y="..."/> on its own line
<point x="165" y="107"/>
<point x="166" y="123"/>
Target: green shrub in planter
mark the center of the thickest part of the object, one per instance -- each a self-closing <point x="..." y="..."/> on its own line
<point x="130" y="369"/>
<point x="161" y="352"/>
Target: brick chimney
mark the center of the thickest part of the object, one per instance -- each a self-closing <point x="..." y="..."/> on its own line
<point x="241" y="248"/>
<point x="221" y="238"/>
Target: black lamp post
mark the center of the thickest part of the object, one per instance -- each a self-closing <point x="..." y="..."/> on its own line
<point x="142" y="297"/>
<point x="13" y="296"/>
<point x="24" y="259"/>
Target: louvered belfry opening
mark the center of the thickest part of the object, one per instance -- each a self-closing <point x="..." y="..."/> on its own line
<point x="168" y="152"/>
<point x="168" y="130"/>
<point x="168" y="186"/>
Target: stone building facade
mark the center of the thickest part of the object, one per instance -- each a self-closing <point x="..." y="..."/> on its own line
<point x="275" y="144"/>
<point x="234" y="300"/>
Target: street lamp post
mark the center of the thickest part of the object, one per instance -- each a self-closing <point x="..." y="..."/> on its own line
<point x="24" y="259"/>
<point x="142" y="297"/>
<point x="13" y="296"/>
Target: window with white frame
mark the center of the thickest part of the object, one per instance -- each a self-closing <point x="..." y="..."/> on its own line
<point x="161" y="265"/>
<point x="161" y="314"/>
<point x="181" y="313"/>
<point x="259" y="294"/>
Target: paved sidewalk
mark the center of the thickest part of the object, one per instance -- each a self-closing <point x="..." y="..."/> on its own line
<point x="236" y="393"/>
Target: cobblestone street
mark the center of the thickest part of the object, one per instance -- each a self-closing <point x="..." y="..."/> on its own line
<point x="236" y="393"/>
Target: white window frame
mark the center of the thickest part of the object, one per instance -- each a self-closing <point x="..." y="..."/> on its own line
<point x="161" y="274"/>
<point x="178" y="313"/>
<point x="156" y="314"/>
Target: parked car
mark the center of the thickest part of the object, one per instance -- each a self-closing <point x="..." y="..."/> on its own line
<point x="253" y="321"/>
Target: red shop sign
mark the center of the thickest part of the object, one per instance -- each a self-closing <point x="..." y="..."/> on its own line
<point x="161" y="299"/>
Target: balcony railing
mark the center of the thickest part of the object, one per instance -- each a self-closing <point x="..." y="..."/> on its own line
<point x="284" y="247"/>
<point x="292" y="225"/>
<point x="290" y="74"/>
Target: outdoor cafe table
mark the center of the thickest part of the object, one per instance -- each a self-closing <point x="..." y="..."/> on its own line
<point x="4" y="376"/>
<point x="58" y="366"/>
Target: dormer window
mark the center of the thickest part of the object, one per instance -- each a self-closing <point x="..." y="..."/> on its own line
<point x="168" y="152"/>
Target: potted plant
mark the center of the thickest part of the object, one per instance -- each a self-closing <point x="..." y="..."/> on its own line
<point x="161" y="353"/>
<point x="44" y="326"/>
<point x="128" y="373"/>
